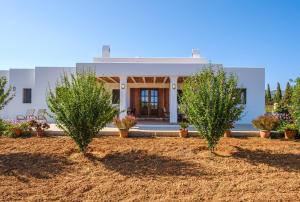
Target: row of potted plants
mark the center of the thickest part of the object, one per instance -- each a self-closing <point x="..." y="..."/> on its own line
<point x="22" y="128"/>
<point x="268" y="123"/>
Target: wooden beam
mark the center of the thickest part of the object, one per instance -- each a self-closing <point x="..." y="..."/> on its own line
<point x="133" y="79"/>
<point x="165" y="80"/>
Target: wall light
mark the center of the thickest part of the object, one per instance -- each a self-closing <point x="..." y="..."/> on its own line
<point x="173" y="85"/>
<point x="123" y="86"/>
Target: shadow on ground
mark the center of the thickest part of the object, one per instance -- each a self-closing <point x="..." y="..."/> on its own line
<point x="139" y="163"/>
<point x="36" y="165"/>
<point x="287" y="162"/>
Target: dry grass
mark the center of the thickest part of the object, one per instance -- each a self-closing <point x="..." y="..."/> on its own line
<point x="139" y="169"/>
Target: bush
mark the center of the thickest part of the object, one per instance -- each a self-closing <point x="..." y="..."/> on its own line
<point x="125" y="123"/>
<point x="183" y="124"/>
<point x="296" y="102"/>
<point x="266" y="122"/>
<point x="81" y="107"/>
<point x="15" y="128"/>
<point x="6" y="94"/>
<point x="291" y="126"/>
<point x="211" y="101"/>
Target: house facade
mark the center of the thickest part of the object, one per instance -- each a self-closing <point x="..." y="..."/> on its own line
<point x="147" y="88"/>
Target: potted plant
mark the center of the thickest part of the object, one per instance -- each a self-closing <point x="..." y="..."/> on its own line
<point x="265" y="123"/>
<point x="290" y="131"/>
<point x="227" y="132"/>
<point x="183" y="131"/>
<point x="39" y="127"/>
<point x="124" y="125"/>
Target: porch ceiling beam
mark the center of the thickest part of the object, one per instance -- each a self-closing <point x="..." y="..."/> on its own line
<point x="99" y="78"/>
<point x="134" y="81"/>
<point x="165" y="79"/>
<point x="144" y="79"/>
<point x="114" y="81"/>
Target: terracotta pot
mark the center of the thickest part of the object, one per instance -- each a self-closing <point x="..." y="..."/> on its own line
<point x="227" y="133"/>
<point x="265" y="133"/>
<point x="290" y="134"/>
<point x="183" y="133"/>
<point x="17" y="131"/>
<point x="39" y="133"/>
<point x="123" y="133"/>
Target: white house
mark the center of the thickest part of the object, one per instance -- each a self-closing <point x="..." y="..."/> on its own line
<point x="145" y="87"/>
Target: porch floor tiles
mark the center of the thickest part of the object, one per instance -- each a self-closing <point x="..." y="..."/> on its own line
<point x="161" y="129"/>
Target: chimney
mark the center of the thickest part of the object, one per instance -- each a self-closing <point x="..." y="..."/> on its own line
<point x="195" y="53"/>
<point x="106" y="51"/>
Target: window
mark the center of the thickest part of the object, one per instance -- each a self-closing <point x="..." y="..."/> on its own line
<point x="26" y="95"/>
<point x="115" y="96"/>
<point x="243" y="94"/>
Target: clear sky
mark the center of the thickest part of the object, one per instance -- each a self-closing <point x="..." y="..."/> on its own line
<point x="253" y="33"/>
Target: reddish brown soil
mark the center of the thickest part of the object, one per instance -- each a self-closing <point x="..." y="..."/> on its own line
<point x="149" y="169"/>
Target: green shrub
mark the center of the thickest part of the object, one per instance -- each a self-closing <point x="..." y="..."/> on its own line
<point x="266" y="122"/>
<point x="6" y="94"/>
<point x="81" y="106"/>
<point x="212" y="101"/>
<point x="183" y="124"/>
<point x="10" y="128"/>
<point x="291" y="126"/>
<point x="296" y="102"/>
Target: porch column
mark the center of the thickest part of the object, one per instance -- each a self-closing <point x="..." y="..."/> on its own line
<point x="173" y="99"/>
<point x="123" y="96"/>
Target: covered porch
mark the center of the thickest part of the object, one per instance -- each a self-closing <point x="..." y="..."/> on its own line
<point x="149" y="98"/>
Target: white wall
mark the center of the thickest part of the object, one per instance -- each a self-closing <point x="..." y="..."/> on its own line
<point x="19" y="78"/>
<point x="253" y="79"/>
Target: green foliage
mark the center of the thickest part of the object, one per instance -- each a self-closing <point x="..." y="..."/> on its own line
<point x="296" y="102"/>
<point x="81" y="107"/>
<point x="10" y="128"/>
<point x="287" y="98"/>
<point x="278" y="94"/>
<point x="268" y="96"/>
<point x="266" y="122"/>
<point x="291" y="126"/>
<point x="6" y="95"/>
<point x="211" y="101"/>
<point x="125" y="123"/>
<point x="184" y="124"/>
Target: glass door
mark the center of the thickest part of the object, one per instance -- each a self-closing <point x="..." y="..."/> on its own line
<point x="149" y="102"/>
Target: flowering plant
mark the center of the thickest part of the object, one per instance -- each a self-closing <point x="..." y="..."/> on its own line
<point x="125" y="123"/>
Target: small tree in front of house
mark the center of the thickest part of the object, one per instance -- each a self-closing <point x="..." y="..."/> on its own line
<point x="296" y="102"/>
<point x="81" y="107"/>
<point x="6" y="94"/>
<point x="211" y="100"/>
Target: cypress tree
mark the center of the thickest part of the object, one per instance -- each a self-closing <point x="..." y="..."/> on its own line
<point x="278" y="94"/>
<point x="268" y="96"/>
<point x="287" y="98"/>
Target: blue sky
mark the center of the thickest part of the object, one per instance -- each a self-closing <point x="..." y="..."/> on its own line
<point x="256" y="33"/>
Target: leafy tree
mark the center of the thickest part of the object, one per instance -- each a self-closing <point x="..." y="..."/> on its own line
<point x="278" y="94"/>
<point x="268" y="96"/>
<point x="296" y="102"/>
<point x="6" y="95"/>
<point x="81" y="106"/>
<point x="211" y="100"/>
<point x="287" y="98"/>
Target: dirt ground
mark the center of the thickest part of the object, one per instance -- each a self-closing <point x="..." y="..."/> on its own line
<point x="149" y="169"/>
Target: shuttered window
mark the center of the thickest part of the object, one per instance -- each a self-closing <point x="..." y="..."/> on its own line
<point x="26" y="95"/>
